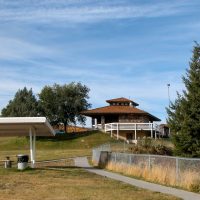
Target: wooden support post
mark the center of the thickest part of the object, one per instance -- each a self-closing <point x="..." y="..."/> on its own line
<point x="95" y="123"/>
<point x="92" y="123"/>
<point x="117" y="131"/>
<point x="102" y="122"/>
<point x="111" y="130"/>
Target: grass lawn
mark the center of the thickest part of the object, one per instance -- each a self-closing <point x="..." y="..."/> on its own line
<point x="70" y="184"/>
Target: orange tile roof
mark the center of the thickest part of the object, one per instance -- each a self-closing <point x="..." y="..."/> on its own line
<point x="117" y="110"/>
<point x="121" y="100"/>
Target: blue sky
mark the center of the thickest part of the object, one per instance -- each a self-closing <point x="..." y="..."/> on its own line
<point x="129" y="48"/>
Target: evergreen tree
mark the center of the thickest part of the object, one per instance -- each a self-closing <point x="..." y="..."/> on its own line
<point x="24" y="104"/>
<point x="184" y="113"/>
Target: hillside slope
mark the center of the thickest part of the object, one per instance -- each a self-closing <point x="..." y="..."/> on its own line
<point x="53" y="148"/>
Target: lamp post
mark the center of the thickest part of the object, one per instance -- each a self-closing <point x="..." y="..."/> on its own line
<point x="168" y="85"/>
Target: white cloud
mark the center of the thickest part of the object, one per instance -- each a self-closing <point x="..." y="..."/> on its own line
<point x="148" y="89"/>
<point x="78" y="12"/>
<point x="82" y="60"/>
<point x="14" y="48"/>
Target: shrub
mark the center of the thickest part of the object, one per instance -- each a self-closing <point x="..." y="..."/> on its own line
<point x="148" y="146"/>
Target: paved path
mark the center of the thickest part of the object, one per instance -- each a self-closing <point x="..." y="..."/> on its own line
<point x="83" y="163"/>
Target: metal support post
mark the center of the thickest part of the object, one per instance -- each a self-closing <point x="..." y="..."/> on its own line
<point x="34" y="138"/>
<point x="31" y="145"/>
<point x="177" y="171"/>
<point x="130" y="159"/>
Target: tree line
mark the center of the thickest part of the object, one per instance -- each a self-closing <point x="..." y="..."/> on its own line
<point x="59" y="103"/>
<point x="63" y="104"/>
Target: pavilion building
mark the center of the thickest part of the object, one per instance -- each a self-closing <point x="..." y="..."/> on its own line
<point x="122" y="119"/>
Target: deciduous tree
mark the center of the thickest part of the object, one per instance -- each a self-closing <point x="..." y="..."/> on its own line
<point x="63" y="103"/>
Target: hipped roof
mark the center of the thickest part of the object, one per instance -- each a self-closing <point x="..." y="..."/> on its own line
<point x="122" y="100"/>
<point x="118" y="110"/>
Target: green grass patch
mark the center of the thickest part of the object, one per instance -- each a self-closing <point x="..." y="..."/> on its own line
<point x="54" y="147"/>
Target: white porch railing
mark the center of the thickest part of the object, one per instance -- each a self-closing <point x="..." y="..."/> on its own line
<point x="97" y="126"/>
<point x="128" y="126"/>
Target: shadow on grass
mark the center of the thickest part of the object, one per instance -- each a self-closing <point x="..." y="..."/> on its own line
<point x="67" y="136"/>
<point x="61" y="167"/>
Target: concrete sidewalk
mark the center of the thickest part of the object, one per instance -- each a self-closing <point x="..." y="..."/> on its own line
<point x="83" y="163"/>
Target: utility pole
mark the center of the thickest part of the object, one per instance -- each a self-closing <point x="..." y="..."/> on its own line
<point x="168" y="85"/>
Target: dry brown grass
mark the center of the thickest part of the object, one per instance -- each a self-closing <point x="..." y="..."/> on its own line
<point x="159" y="174"/>
<point x="76" y="129"/>
<point x="70" y="184"/>
<point x="71" y="129"/>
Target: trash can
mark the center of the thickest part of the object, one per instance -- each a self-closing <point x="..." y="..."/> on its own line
<point x="22" y="161"/>
<point x="8" y="162"/>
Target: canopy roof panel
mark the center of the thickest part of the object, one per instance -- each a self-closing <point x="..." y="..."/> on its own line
<point x="20" y="126"/>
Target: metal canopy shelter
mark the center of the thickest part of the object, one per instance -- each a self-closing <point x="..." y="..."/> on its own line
<point x="26" y="126"/>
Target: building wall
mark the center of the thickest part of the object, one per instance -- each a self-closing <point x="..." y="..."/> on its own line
<point x="133" y="118"/>
<point x="126" y="118"/>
